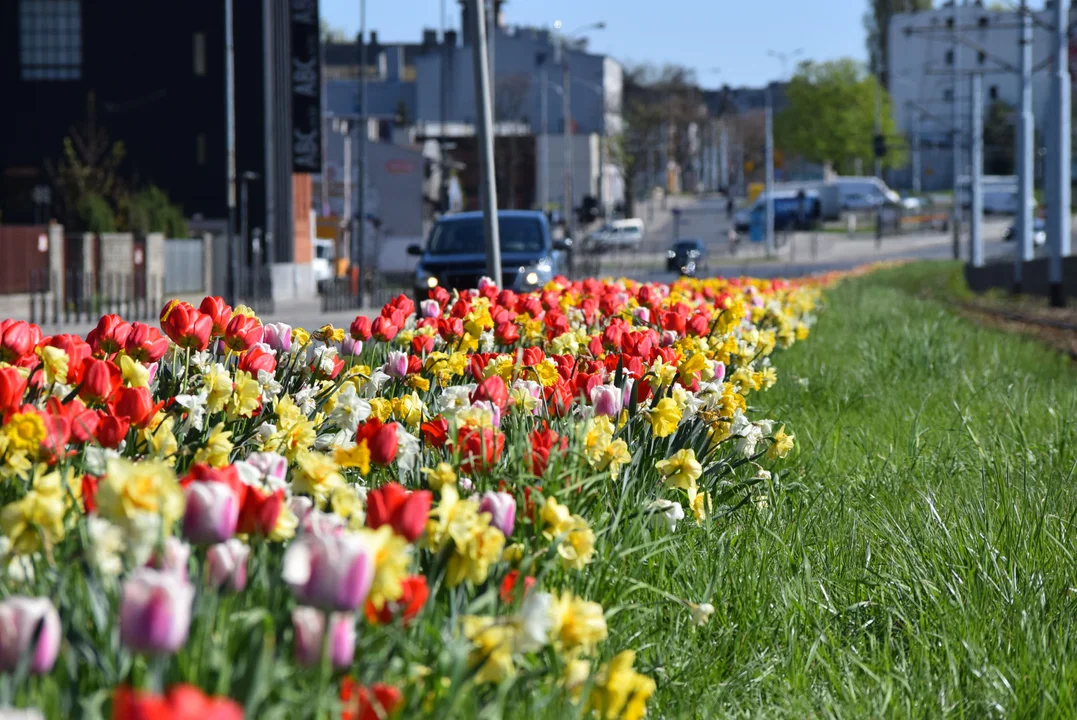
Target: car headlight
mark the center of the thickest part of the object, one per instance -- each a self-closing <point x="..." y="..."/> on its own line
<point x="425" y="277"/>
<point x="671" y="254"/>
<point x="537" y="274"/>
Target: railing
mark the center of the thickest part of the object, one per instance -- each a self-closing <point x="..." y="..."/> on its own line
<point x="184" y="264"/>
<point x="340" y="294"/>
<point x="254" y="288"/>
<point x="74" y="297"/>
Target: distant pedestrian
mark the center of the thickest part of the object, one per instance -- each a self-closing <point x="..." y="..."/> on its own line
<point x="729" y="206"/>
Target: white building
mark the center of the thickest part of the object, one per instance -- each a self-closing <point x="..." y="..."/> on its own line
<point x="922" y="59"/>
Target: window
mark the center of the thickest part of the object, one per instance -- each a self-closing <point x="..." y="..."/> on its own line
<point x="199" y="54"/>
<point x="983" y="21"/>
<point x="949" y="57"/>
<point x="981" y="58"/>
<point x="50" y="39"/>
<point x="948" y="95"/>
<point x="200" y="148"/>
<point x="993" y="92"/>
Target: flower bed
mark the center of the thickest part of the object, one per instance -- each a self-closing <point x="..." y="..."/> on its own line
<point x="394" y="518"/>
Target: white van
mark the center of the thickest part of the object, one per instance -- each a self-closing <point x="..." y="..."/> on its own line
<point x="619" y="234"/>
<point x="863" y="193"/>
<point x="322" y="263"/>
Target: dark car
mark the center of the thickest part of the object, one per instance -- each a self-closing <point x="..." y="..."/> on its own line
<point x="1039" y="232"/>
<point x="455" y="255"/>
<point x="684" y="252"/>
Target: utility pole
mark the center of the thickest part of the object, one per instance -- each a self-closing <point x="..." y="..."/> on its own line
<point x="484" y="115"/>
<point x="878" y="107"/>
<point x="916" y="171"/>
<point x="230" y="100"/>
<point x="976" y="234"/>
<point x="544" y="159"/>
<point x="769" y="189"/>
<point x="955" y="142"/>
<point x="443" y="191"/>
<point x="1058" y="184"/>
<point x="346" y="215"/>
<point x="566" y="112"/>
<point x="723" y="156"/>
<point x="358" y="249"/>
<point x="1026" y="129"/>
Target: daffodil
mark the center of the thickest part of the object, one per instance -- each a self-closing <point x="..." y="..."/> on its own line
<point x="681" y="470"/>
<point x="664" y="417"/>
<point x="577" y="624"/>
<point x="131" y="491"/>
<point x="217" y="447"/>
<point x="782" y="444"/>
<point x="620" y="692"/>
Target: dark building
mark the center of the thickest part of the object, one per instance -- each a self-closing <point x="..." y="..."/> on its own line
<point x="153" y="75"/>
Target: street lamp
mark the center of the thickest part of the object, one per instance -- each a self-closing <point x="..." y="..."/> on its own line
<point x="566" y="84"/>
<point x="244" y="178"/>
<point x="784" y="58"/>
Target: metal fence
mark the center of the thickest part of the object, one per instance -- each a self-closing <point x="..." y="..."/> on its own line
<point x="74" y="296"/>
<point x="342" y="293"/>
<point x="184" y="265"/>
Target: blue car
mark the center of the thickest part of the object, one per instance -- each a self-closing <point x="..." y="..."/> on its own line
<point x="455" y="257"/>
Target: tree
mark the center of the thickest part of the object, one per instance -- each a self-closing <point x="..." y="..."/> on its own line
<point x="999" y="139"/>
<point x="150" y="210"/>
<point x="830" y="116"/>
<point x="878" y="17"/>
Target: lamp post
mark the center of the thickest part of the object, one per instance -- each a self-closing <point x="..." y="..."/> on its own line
<point x="243" y="234"/>
<point x="784" y="58"/>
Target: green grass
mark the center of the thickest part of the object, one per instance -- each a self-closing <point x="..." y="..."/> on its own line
<point x="916" y="558"/>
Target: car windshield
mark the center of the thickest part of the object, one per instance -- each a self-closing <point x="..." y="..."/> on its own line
<point x="461" y="237"/>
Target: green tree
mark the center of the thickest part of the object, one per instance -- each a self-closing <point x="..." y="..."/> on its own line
<point x="830" y="117"/>
<point x="878" y="17"/>
<point x="150" y="210"/>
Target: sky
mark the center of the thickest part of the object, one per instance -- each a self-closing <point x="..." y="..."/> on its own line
<point x="724" y="41"/>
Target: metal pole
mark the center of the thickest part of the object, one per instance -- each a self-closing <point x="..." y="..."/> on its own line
<point x="443" y="191"/>
<point x="346" y="214"/>
<point x="544" y="159"/>
<point x="566" y="112"/>
<point x="878" y="119"/>
<point x="1026" y="146"/>
<point x="484" y="114"/>
<point x="230" y="95"/>
<point x="244" y="240"/>
<point x="769" y="189"/>
<point x="723" y="157"/>
<point x="602" y="149"/>
<point x="955" y="139"/>
<point x="491" y="32"/>
<point x="916" y="171"/>
<point x="976" y="231"/>
<point x="1058" y="186"/>
<point x="358" y="249"/>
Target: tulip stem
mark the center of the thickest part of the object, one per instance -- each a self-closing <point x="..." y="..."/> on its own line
<point x="326" y="667"/>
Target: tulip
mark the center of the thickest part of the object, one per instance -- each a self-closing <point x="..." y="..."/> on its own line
<point x="360" y="328"/>
<point x="383" y="329"/>
<point x="136" y="404"/>
<point x="493" y="390"/>
<point x="226" y="565"/>
<point x="480" y="448"/>
<point x="430" y="308"/>
<point x="278" y="336"/>
<point x="435" y="432"/>
<point x="502" y="509"/>
<point x="155" y="612"/>
<point x="270" y="466"/>
<point x="405" y="511"/>
<point x="406" y="607"/>
<point x="607" y="400"/>
<point x="110" y="430"/>
<point x="20" y="618"/>
<point x="83" y="421"/>
<point x="16" y="340"/>
<point x="242" y="333"/>
<point x="331" y="572"/>
<point x="219" y="312"/>
<point x="381" y="441"/>
<point x="212" y="513"/>
<point x="260" y="511"/>
<point x="642" y="314"/>
<point x="145" y="343"/>
<point x="397" y="365"/>
<point x="100" y="380"/>
<point x="185" y="326"/>
<point x="377" y="702"/>
<point x="719" y="371"/>
<point x="259" y="357"/>
<point x="110" y="335"/>
<point x="12" y="388"/>
<point x="350" y="347"/>
<point x="309" y="626"/>
<point x="171" y="558"/>
<point x="181" y="702"/>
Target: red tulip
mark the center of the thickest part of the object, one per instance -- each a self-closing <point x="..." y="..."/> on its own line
<point x="57" y="433"/>
<point x="110" y="335"/>
<point x="12" y="388"/>
<point x="378" y="702"/>
<point x="360" y="328"/>
<point x="186" y="326"/>
<point x="16" y="339"/>
<point x="532" y="356"/>
<point x="441" y="295"/>
<point x="145" y="343"/>
<point x="450" y="328"/>
<point x="557" y="323"/>
<point x="404" y="511"/>
<point x="77" y="351"/>
<point x="506" y="333"/>
<point x="259" y="511"/>
<point x="384" y="329"/>
<point x="611" y="336"/>
<point x="508" y="586"/>
<point x="401" y="303"/>
<point x="181" y="702"/>
<point x="435" y="432"/>
<point x="89" y="492"/>
<point x="421" y="344"/>
<point x="460" y="309"/>
<point x="381" y="440"/>
<point x="136" y="404"/>
<point x="83" y="421"/>
<point x="100" y="380"/>
<point x="242" y="333"/>
<point x="559" y="398"/>
<point x="218" y="311"/>
<point x="480" y="448"/>
<point x="493" y="390"/>
<point x="111" y="430"/>
<point x="673" y="321"/>
<point x="698" y="325"/>
<point x="406" y="607"/>
<point x="543" y="440"/>
<point x="227" y="475"/>
<point x="258" y="358"/>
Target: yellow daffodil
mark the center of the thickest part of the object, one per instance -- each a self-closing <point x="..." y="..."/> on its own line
<point x="682" y="470"/>
<point x="783" y="443"/>
<point x="357" y="456"/>
<point x="664" y="417"/>
<point x="577" y="624"/>
<point x="217" y="448"/>
<point x="132" y="490"/>
<point x="135" y="374"/>
<point x="316" y="475"/>
<point x="620" y="692"/>
<point x="493" y="643"/>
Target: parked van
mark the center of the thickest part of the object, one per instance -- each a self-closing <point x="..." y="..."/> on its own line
<point x="787" y="209"/>
<point x="619" y="235"/>
<point x="863" y="193"/>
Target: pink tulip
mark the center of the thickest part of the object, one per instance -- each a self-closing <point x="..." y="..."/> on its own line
<point x="502" y="509"/>
<point x="309" y="625"/>
<point x="397" y="365"/>
<point x="226" y="565"/>
<point x="155" y="613"/>
<point x="642" y="314"/>
<point x="607" y="400"/>
<point x="331" y="572"/>
<point x="486" y="283"/>
<point x="430" y="309"/>
<point x="19" y="620"/>
<point x="350" y="347"/>
<point x="719" y="371"/>
<point x="212" y="513"/>
<point x="278" y="336"/>
<point x="171" y="558"/>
